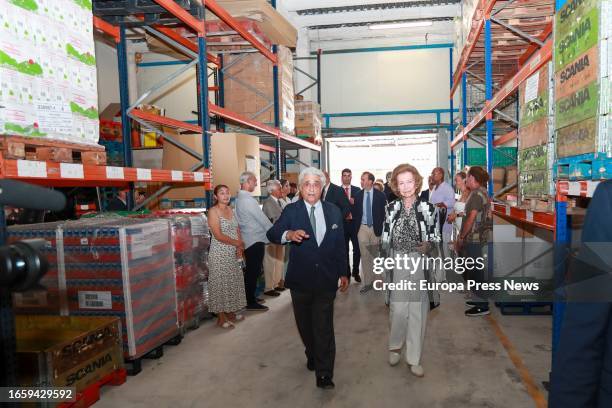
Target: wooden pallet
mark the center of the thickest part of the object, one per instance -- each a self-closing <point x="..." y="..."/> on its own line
<point x="17" y="147"/>
<point x="91" y="394"/>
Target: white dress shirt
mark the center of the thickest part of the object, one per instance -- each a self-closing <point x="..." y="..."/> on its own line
<point x="320" y="217"/>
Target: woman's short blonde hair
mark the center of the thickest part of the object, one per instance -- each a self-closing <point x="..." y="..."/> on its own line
<point x="406" y="168"/>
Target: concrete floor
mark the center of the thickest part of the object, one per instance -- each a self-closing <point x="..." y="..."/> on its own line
<point x="261" y="363"/>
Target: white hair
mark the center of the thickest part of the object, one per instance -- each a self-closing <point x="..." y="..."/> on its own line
<point x="314" y="172"/>
<point x="245" y="176"/>
<point x="273" y="185"/>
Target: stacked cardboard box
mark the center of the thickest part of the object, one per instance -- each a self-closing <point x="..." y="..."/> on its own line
<point x="249" y="88"/>
<point x="534" y="137"/>
<point x="48" y="81"/>
<point x="308" y="120"/>
<point x="582" y="85"/>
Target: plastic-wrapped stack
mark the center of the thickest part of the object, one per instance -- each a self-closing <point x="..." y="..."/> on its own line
<point x="582" y="88"/>
<point x="117" y="267"/>
<point x="48" y="81"/>
<point x="255" y="70"/>
<point x="534" y="136"/>
<point x="308" y="121"/>
<point x="190" y="242"/>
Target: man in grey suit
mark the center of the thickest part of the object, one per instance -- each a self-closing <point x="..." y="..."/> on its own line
<point x="275" y="254"/>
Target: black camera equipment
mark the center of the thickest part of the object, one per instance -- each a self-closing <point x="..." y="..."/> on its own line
<point x="21" y="263"/>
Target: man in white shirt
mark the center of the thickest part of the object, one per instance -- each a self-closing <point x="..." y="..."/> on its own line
<point x="275" y="254"/>
<point x="253" y="227"/>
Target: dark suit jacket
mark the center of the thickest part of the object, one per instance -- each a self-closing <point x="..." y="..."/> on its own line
<point x="379" y="202"/>
<point x="389" y="193"/>
<point x="337" y="196"/>
<point x="312" y="267"/>
<point x="582" y="364"/>
<point x="354" y="192"/>
<point x="424" y="196"/>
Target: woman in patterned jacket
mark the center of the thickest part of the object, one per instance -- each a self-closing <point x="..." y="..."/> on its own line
<point x="409" y="231"/>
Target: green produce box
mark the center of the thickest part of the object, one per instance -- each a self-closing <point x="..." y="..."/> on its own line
<point x="533" y="158"/>
<point x="577" y="107"/>
<point x="533" y="184"/>
<point x="576" y="30"/>
<point x="576" y="139"/>
<point x="534" y="110"/>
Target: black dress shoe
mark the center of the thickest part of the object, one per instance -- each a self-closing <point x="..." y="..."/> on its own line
<point x="325" y="382"/>
<point x="279" y="289"/>
<point x="256" y="308"/>
<point x="272" y="293"/>
<point x="310" y="365"/>
<point x="357" y="278"/>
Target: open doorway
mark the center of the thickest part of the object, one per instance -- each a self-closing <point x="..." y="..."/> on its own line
<point x="380" y="154"/>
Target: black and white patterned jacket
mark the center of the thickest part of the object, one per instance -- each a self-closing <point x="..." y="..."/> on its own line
<point x="427" y="220"/>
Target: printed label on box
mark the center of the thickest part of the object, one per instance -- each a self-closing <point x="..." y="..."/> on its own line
<point x="95" y="300"/>
<point x="197" y="226"/>
<point x="531" y="87"/>
<point x="31" y="299"/>
<point x="54" y="118"/>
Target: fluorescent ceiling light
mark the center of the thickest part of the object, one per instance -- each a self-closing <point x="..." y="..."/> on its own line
<point x="408" y="24"/>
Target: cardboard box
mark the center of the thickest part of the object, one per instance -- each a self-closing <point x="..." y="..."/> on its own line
<point x="174" y="158"/>
<point x="231" y="153"/>
<point x="240" y="152"/>
<point x="256" y="71"/>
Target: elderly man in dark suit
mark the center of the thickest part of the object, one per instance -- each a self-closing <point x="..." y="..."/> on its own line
<point x="369" y="216"/>
<point x="317" y="262"/>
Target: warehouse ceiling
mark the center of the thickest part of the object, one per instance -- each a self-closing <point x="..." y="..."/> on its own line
<point x="337" y="24"/>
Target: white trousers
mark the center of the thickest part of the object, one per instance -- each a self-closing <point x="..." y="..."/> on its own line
<point x="408" y="316"/>
<point x="368" y="247"/>
<point x="274" y="260"/>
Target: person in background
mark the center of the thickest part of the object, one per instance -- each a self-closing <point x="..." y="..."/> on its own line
<point x="253" y="226"/>
<point x="293" y="190"/>
<point x="443" y="197"/>
<point x="369" y="215"/>
<point x="410" y="229"/>
<point x="582" y="364"/>
<point x="425" y="193"/>
<point x="140" y="197"/>
<point x="316" y="264"/>
<point x="380" y="186"/>
<point x="225" y="280"/>
<point x="275" y="255"/>
<point x="388" y="190"/>
<point x="285" y="190"/>
<point x="119" y="203"/>
<point x="350" y="225"/>
<point x="476" y="231"/>
<point x="455" y="217"/>
<point x="334" y="194"/>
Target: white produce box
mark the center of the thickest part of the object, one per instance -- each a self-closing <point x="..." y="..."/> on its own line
<point x="48" y="85"/>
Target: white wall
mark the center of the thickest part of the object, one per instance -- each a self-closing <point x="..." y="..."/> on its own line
<point x="385" y="81"/>
<point x="108" y="74"/>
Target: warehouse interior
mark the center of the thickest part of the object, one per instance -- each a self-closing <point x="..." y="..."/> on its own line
<point x="141" y="138"/>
